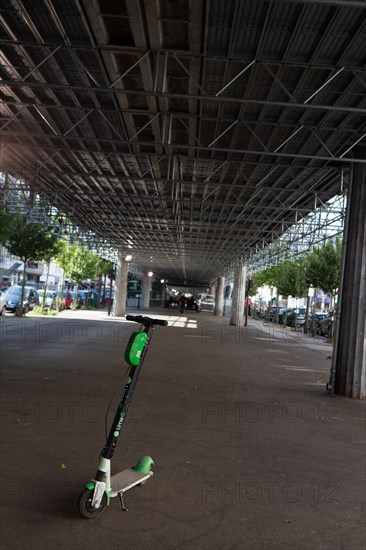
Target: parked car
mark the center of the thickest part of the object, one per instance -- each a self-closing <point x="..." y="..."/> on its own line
<point x="326" y="324"/>
<point x="13" y="295"/>
<point x="83" y="296"/>
<point x="318" y="318"/>
<point x="272" y="312"/>
<point x="106" y="298"/>
<point x="2" y="302"/>
<point x="49" y="299"/>
<point x="296" y="316"/>
<point x="259" y="312"/>
<point x="281" y="315"/>
<point x="207" y="301"/>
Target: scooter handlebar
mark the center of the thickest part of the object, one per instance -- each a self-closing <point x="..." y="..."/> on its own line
<point x="146" y="320"/>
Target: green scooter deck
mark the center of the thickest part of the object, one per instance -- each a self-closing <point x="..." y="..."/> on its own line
<point x="126" y="480"/>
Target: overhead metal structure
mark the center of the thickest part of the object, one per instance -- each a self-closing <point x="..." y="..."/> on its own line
<point x="191" y="130"/>
<point x="325" y="223"/>
<point x="18" y="197"/>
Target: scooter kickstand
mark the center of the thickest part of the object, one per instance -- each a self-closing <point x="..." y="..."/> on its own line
<point x="121" y="501"/>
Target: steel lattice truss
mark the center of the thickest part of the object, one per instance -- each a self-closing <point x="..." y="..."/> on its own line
<point x="326" y="222"/>
<point x="314" y="229"/>
<point x="192" y="131"/>
<point x="18" y="197"/>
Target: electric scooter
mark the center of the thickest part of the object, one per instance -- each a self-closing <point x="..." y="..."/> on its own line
<point x="98" y="492"/>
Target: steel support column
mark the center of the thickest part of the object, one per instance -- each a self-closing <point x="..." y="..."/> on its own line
<point x="219" y="298"/>
<point x="237" y="307"/>
<point x="120" y="296"/>
<point x="348" y="375"/>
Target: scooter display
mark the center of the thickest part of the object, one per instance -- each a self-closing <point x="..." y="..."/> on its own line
<point x="98" y="492"/>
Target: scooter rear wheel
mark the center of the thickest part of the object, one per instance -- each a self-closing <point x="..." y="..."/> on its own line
<point x="86" y="510"/>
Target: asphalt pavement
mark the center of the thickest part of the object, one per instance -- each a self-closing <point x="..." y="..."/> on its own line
<point x="250" y="451"/>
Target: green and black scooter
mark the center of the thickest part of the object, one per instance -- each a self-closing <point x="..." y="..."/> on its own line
<point x="98" y="492"/>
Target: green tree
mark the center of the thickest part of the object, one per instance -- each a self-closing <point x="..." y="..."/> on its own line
<point x="29" y="242"/>
<point x="83" y="264"/>
<point x="50" y="254"/>
<point x="289" y="278"/>
<point x="294" y="281"/>
<point x="63" y="260"/>
<point x="6" y="221"/>
<point x="77" y="263"/>
<point x="275" y="276"/>
<point x="105" y="268"/>
<point x="323" y="267"/>
<point x="258" y="280"/>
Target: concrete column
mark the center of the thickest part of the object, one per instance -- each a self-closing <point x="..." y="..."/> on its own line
<point x="165" y="295"/>
<point x="348" y="375"/>
<point x="146" y="285"/>
<point x="237" y="306"/>
<point x="219" y="298"/>
<point x="212" y="289"/>
<point x="120" y="294"/>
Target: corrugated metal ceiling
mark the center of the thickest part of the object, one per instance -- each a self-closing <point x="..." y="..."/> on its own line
<point x="198" y="129"/>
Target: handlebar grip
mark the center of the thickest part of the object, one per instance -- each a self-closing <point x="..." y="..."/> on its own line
<point x="146" y="320"/>
<point x="160" y="322"/>
<point x="131" y="317"/>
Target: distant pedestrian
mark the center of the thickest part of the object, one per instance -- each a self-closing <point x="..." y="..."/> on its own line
<point x="182" y="303"/>
<point x="68" y="300"/>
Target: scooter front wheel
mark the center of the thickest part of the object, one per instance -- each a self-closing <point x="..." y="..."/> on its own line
<point x="86" y="510"/>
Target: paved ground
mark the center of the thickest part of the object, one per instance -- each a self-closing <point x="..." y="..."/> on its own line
<point x="250" y="451"/>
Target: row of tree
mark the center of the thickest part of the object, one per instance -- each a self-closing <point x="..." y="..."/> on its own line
<point x="35" y="242"/>
<point x="319" y="269"/>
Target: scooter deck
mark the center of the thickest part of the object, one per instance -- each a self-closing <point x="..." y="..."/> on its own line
<point x="126" y="480"/>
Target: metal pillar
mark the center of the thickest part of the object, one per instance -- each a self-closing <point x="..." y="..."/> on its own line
<point x="146" y="292"/>
<point x="237" y="307"/>
<point x="348" y="375"/>
<point x="219" y="298"/>
<point x="120" y="294"/>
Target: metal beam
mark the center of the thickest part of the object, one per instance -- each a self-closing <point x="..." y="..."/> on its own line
<point x="178" y="115"/>
<point x="187" y="97"/>
<point x="131" y="50"/>
<point x="339" y="160"/>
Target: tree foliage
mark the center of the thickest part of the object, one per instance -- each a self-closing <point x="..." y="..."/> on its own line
<point x="104" y="267"/>
<point x="320" y="269"/>
<point x="288" y="278"/>
<point x="78" y="263"/>
<point x="6" y="221"/>
<point x="293" y="281"/>
<point x="29" y="241"/>
<point x="323" y="266"/>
